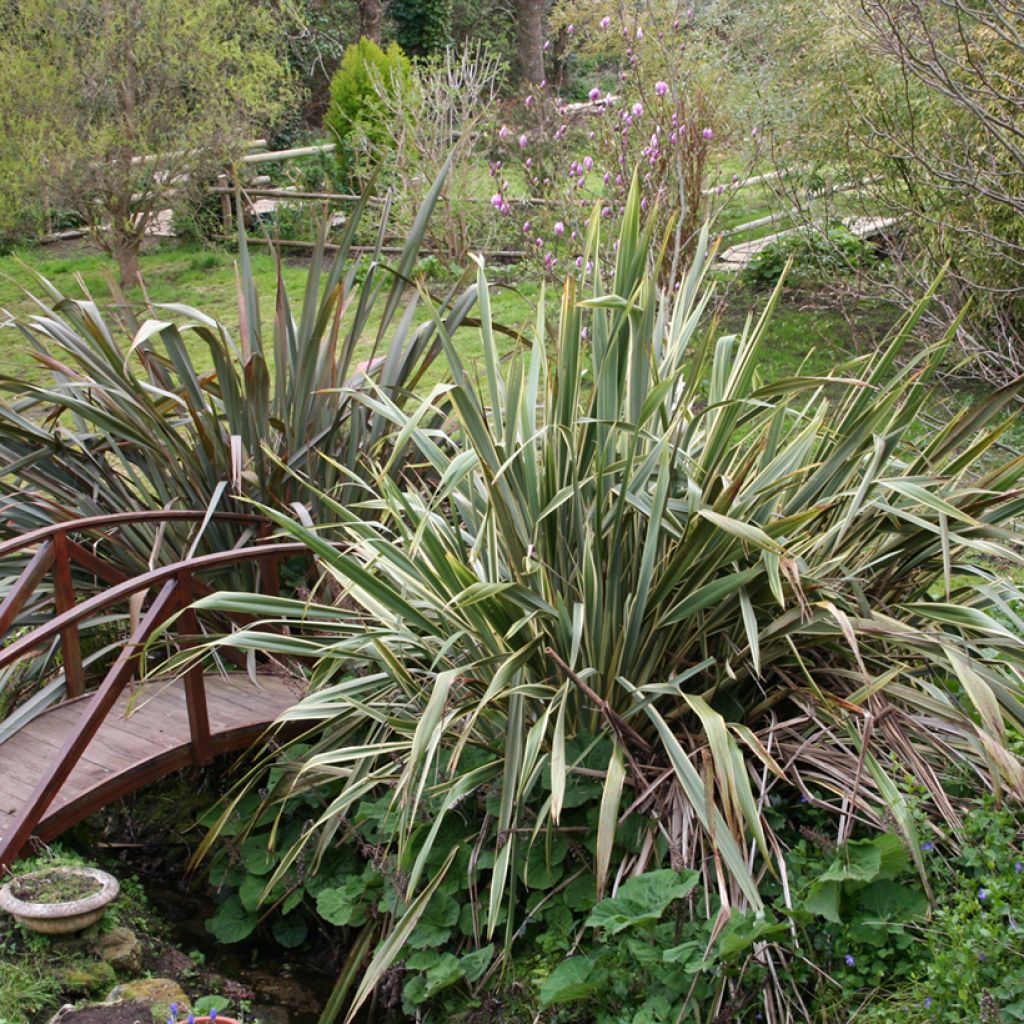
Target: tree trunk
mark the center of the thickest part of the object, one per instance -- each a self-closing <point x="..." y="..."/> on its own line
<point x="371" y="14"/>
<point x="530" y="39"/>
<point x="127" y="255"/>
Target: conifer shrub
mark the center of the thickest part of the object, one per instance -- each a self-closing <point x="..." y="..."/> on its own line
<point x="357" y="118"/>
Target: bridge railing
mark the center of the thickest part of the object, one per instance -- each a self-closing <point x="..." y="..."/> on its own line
<point x="57" y="553"/>
<point x="176" y="587"/>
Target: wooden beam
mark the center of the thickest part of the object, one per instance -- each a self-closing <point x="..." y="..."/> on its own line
<point x="37" y="567"/>
<point x="64" y="599"/>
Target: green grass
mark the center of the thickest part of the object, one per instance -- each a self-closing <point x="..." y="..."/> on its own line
<point x="203" y="278"/>
<point x="807" y="330"/>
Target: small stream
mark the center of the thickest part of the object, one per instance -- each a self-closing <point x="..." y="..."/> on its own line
<point x="285" y="988"/>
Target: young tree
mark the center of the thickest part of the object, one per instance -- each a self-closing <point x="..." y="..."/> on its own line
<point x="115" y="108"/>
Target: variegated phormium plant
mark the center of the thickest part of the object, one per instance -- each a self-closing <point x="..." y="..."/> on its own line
<point x="746" y="586"/>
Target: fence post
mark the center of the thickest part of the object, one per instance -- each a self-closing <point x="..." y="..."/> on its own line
<point x="64" y="598"/>
<point x="225" y="203"/>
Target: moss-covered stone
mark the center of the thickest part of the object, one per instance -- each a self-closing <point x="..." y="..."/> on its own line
<point x="157" y="993"/>
<point x="88" y="978"/>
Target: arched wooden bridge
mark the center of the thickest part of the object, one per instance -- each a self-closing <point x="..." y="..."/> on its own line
<point x="76" y="756"/>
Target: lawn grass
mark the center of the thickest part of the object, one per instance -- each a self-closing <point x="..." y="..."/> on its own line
<point x="808" y="330"/>
<point x="203" y="278"/>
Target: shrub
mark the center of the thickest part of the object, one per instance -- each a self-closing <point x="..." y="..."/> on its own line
<point x="635" y="564"/>
<point x="816" y="254"/>
<point x="357" y="116"/>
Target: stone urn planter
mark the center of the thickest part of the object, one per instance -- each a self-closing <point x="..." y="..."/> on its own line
<point x="59" y="900"/>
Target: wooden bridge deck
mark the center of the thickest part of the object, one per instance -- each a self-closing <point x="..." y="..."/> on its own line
<point x="145" y="737"/>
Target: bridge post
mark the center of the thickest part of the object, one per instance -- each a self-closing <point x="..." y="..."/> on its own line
<point x="64" y="596"/>
<point x="269" y="578"/>
<point x="195" y="687"/>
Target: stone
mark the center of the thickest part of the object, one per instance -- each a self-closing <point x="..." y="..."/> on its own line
<point x="92" y="978"/>
<point x="270" y="1014"/>
<point x="157" y="993"/>
<point x="121" y="948"/>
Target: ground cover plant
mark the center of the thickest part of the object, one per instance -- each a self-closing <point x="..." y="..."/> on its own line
<point x="633" y="597"/>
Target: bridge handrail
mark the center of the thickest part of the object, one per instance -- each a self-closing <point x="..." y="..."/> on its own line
<point x="122" y="591"/>
<point x="44" y="533"/>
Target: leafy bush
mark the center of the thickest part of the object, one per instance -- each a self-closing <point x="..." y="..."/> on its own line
<point x="815" y="255"/>
<point x="357" y="115"/>
<point x="639" y="551"/>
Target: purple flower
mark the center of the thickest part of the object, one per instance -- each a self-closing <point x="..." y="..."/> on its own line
<point x="927" y="847"/>
<point x="570" y="28"/>
<point x="547" y="45"/>
<point x="982" y="895"/>
<point x="639" y="32"/>
<point x="529" y="162"/>
<point x="753" y="135"/>
<point x="849" y="960"/>
<point x="661" y="88"/>
<point x="588" y="162"/>
<point x="528" y="102"/>
<point x="708" y="133"/>
<point x="595" y="94"/>
<point x="174" y="1009"/>
<point x="605" y="21"/>
<point x="607" y="180"/>
<point x="638" y="109"/>
<point x="496" y="200"/>
<point x="213" y="1013"/>
<point x="579" y="262"/>
<point x="1018" y="866"/>
<point x="504" y="132"/>
<point x="559" y="229"/>
<point x="523" y="140"/>
<point x="927" y="1002"/>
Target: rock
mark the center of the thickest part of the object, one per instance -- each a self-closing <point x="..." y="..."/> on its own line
<point x="93" y="978"/>
<point x="121" y="948"/>
<point x="270" y="1014"/>
<point x="157" y="993"/>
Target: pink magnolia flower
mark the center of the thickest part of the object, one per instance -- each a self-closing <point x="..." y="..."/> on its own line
<point x="638" y="109"/>
<point x="605" y="21"/>
<point x="559" y="229"/>
<point x="588" y="162"/>
<point x="504" y="132"/>
<point x="595" y="94"/>
<point x="661" y="88"/>
<point x="708" y="133"/>
<point x="496" y="200"/>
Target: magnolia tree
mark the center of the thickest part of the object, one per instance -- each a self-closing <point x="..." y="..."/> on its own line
<point x="115" y="109"/>
<point x="660" y="103"/>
